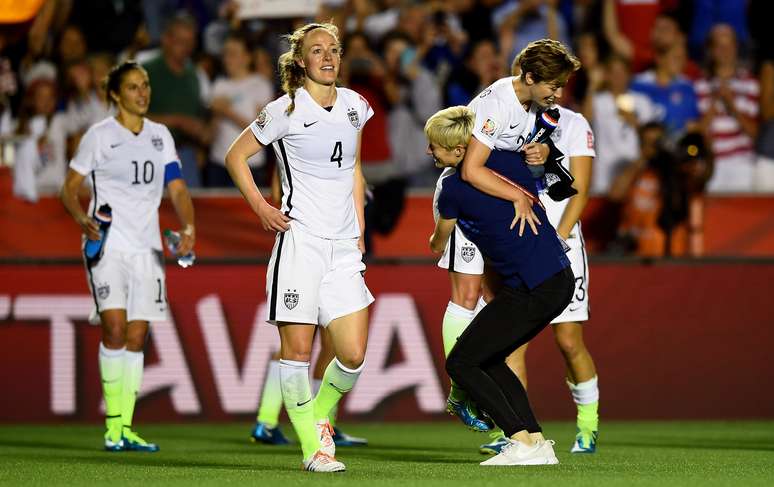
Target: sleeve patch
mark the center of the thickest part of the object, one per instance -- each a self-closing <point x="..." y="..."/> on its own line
<point x="589" y="139"/>
<point x="263" y="120"/>
<point x="489" y="127"/>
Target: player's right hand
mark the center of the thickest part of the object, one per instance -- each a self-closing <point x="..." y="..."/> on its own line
<point x="524" y="215"/>
<point x="273" y="220"/>
<point x="89" y="227"/>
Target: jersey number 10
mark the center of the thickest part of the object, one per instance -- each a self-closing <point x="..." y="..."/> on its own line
<point x="147" y="172"/>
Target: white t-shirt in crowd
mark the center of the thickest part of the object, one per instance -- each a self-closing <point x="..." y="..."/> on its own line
<point x="248" y="96"/>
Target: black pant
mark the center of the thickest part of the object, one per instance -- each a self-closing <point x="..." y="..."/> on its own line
<point x="513" y="318"/>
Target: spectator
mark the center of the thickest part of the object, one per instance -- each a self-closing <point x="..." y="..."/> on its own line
<point x="670" y="91"/>
<point x="628" y="26"/>
<point x="413" y="96"/>
<point x="728" y="100"/>
<point x="177" y="100"/>
<point x="617" y="114"/>
<point x="520" y="22"/>
<point x="708" y="13"/>
<point x="578" y="94"/>
<point x="237" y="98"/>
<point x="483" y="66"/>
<point x="665" y="34"/>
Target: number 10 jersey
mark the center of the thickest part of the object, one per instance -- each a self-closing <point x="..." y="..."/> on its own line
<point x="316" y="151"/>
<point x="127" y="172"/>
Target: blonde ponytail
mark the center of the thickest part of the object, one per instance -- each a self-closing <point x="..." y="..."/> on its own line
<point x="292" y="75"/>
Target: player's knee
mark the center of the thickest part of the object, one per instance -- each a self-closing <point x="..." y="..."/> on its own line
<point x="570" y="345"/>
<point x="352" y="359"/>
<point x="113" y="335"/>
<point x="297" y="355"/>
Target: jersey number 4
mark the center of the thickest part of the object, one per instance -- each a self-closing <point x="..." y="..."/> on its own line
<point x="336" y="156"/>
<point x="147" y="172"/>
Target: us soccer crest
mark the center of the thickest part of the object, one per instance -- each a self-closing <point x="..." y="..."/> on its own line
<point x="353" y="118"/>
<point x="291" y="299"/>
<point x="103" y="291"/>
<point x="263" y="119"/>
<point x="158" y="144"/>
<point x="468" y="253"/>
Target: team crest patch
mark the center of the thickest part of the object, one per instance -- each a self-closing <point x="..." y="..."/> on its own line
<point x="103" y="291"/>
<point x="158" y="143"/>
<point x="291" y="299"/>
<point x="468" y="253"/>
<point x="263" y="119"/>
<point x="489" y="127"/>
<point x="354" y="119"/>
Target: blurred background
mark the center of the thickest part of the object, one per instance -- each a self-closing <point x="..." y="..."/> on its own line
<point x="680" y="226"/>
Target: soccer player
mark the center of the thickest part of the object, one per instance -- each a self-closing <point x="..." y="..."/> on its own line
<point x="536" y="285"/>
<point x="505" y="117"/>
<point x="266" y="429"/>
<point x="315" y="271"/>
<point x="130" y="160"/>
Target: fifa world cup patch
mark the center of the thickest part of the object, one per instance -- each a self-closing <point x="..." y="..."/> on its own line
<point x="263" y="119"/>
<point x="103" y="291"/>
<point x="489" y="127"/>
<point x="354" y="119"/>
<point x="589" y="139"/>
<point x="158" y="143"/>
<point x="468" y="253"/>
<point x="290" y="299"/>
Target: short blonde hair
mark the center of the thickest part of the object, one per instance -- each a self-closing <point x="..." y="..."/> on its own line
<point x="450" y="127"/>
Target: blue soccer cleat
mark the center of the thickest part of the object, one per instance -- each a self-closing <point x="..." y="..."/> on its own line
<point x="269" y="436"/>
<point x="133" y="442"/>
<point x="495" y="446"/>
<point x="113" y="441"/>
<point x="342" y="439"/>
<point x="469" y="415"/>
<point x="585" y="442"/>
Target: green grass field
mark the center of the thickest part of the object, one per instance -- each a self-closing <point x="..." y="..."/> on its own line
<point x="423" y="454"/>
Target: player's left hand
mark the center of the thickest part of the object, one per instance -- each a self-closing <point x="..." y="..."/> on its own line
<point x="187" y="239"/>
<point x="523" y="215"/>
<point x="535" y="153"/>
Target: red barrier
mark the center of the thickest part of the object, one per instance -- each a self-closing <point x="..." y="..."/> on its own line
<point x="670" y="341"/>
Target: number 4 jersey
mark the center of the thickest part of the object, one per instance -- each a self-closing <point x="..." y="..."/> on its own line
<point x="316" y="151"/>
<point x="127" y="172"/>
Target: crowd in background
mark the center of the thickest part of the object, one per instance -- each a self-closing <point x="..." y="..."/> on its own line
<point x="680" y="94"/>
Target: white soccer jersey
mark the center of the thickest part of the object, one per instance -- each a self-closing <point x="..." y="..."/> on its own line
<point x="127" y="173"/>
<point x="501" y="121"/>
<point x="316" y="152"/>
<point x="574" y="138"/>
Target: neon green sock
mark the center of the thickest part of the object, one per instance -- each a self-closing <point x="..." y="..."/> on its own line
<point x="111" y="370"/>
<point x="455" y="321"/>
<point x="337" y="381"/>
<point x="297" y="397"/>
<point x="133" y="367"/>
<point x="588" y="418"/>
<point x="271" y="397"/>
<point x="332" y="414"/>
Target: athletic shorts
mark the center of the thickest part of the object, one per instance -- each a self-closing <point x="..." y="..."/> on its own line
<point x="578" y="309"/>
<point x="461" y="255"/>
<point x="314" y="280"/>
<point x="130" y="281"/>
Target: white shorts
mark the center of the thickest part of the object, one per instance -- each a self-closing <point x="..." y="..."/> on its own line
<point x="314" y="280"/>
<point x="461" y="255"/>
<point x="578" y="309"/>
<point x="134" y="282"/>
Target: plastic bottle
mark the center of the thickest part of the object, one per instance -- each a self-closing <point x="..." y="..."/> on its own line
<point x="173" y="241"/>
<point x="94" y="248"/>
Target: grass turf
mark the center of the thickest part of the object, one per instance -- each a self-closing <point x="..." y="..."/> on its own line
<point x="426" y="454"/>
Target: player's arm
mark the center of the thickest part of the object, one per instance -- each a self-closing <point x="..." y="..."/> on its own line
<point x="443" y="230"/>
<point x="580" y="168"/>
<point x="241" y="149"/>
<point x="181" y="200"/>
<point x="359" y="195"/>
<point x="69" y="197"/>
<point x="483" y="179"/>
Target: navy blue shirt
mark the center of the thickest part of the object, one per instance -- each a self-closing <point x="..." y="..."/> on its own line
<point x="485" y="221"/>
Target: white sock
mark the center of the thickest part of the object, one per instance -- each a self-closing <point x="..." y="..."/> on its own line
<point x="585" y="392"/>
<point x="297" y="396"/>
<point x="455" y="321"/>
<point x="133" y="369"/>
<point x="111" y="371"/>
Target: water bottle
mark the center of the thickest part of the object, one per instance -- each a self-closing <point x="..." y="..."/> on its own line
<point x="173" y="241"/>
<point x="94" y="248"/>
